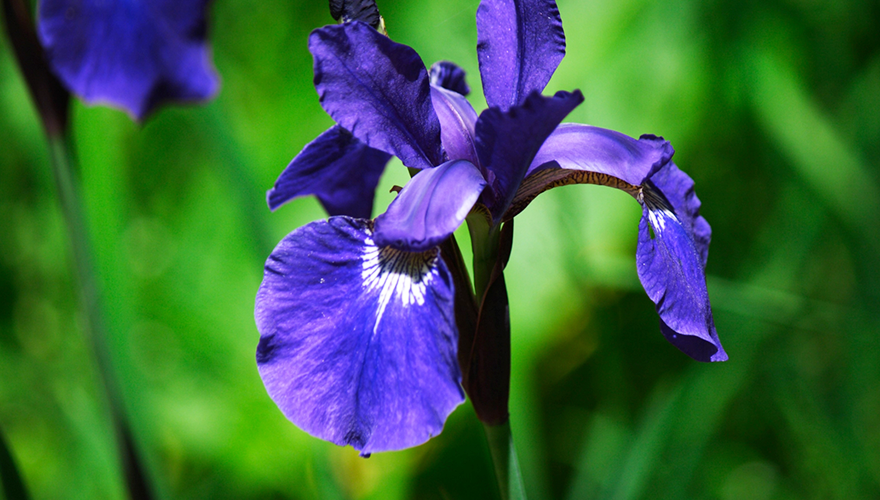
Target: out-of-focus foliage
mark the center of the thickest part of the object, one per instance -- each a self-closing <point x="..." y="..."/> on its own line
<point x="774" y="109"/>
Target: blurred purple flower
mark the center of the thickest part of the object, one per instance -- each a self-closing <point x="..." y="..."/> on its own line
<point x="132" y="54"/>
<point x="357" y="320"/>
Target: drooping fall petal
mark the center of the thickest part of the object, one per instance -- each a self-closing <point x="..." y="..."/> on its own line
<point x="358" y="342"/>
<point x="671" y="258"/>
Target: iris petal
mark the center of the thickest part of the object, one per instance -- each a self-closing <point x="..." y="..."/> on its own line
<point x="457" y="121"/>
<point x="678" y="188"/>
<point x="430" y="207"/>
<point x="135" y="55"/>
<point x="357" y="342"/>
<point x="356" y="10"/>
<point x="342" y="171"/>
<point x="582" y="147"/>
<point x="671" y="270"/>
<point x="673" y="237"/>
<point x="581" y="154"/>
<point x="519" y="45"/>
<point x="378" y="90"/>
<point x="507" y="142"/>
<point x="449" y="76"/>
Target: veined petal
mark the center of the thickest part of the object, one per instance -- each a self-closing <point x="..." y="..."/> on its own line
<point x="581" y="154"/>
<point x="678" y="188"/>
<point x="457" y="122"/>
<point x="430" y="207"/>
<point x="507" y="142"/>
<point x="449" y="76"/>
<point x="336" y="167"/>
<point x="378" y="90"/>
<point x="357" y="342"/>
<point x="135" y="54"/>
<point x="671" y="270"/>
<point x="519" y="45"/>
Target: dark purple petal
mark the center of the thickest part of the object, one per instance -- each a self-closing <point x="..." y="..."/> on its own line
<point x="355" y="10"/>
<point x="336" y="167"/>
<point x="519" y="44"/>
<point x="378" y="90"/>
<point x="507" y="142"/>
<point x="357" y="342"/>
<point x="134" y="54"/>
<point x="449" y="76"/>
<point x="672" y="271"/>
<point x="430" y="207"/>
<point x="457" y="121"/>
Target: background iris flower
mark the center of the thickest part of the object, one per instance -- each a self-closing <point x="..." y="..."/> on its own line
<point x="135" y="54"/>
<point x="357" y="317"/>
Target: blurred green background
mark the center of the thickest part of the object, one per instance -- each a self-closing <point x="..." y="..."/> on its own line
<point x="774" y="110"/>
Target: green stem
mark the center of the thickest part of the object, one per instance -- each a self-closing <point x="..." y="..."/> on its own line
<point x="71" y="207"/>
<point x="506" y="464"/>
<point x="484" y="242"/>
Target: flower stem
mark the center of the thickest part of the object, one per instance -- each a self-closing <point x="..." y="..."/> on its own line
<point x="484" y="241"/>
<point x="506" y="464"/>
<point x="71" y="207"/>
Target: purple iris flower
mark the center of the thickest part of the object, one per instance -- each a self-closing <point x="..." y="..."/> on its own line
<point x="357" y="319"/>
<point x="132" y="54"/>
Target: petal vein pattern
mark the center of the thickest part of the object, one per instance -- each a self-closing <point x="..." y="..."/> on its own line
<point x="358" y="344"/>
<point x="396" y="273"/>
<point x="671" y="270"/>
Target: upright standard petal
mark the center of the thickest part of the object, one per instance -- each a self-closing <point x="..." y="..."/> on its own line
<point x="671" y="270"/>
<point x="358" y="342"/>
<point x="336" y="167"/>
<point x="430" y="207"/>
<point x="457" y="122"/>
<point x="134" y="54"/>
<point x="519" y="45"/>
<point x="507" y="142"/>
<point x="449" y="76"/>
<point x="378" y="90"/>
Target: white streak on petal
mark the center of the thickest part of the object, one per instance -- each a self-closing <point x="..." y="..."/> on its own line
<point x="397" y="274"/>
<point x="658" y="208"/>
